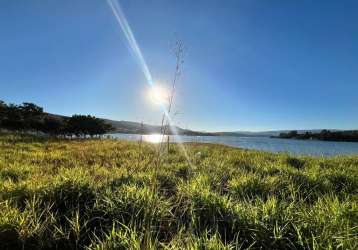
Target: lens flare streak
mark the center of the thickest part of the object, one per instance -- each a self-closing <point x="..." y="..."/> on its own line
<point x="122" y="20"/>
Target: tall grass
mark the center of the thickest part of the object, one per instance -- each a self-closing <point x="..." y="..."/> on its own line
<point x="97" y="194"/>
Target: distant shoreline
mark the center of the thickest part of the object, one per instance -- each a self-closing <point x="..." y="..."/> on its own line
<point x="324" y="135"/>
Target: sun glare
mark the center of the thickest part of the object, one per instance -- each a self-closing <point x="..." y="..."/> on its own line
<point x="153" y="138"/>
<point x="158" y="95"/>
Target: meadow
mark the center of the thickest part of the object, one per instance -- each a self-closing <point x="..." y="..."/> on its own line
<point x="111" y="194"/>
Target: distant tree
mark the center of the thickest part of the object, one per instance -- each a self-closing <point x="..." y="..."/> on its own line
<point x="32" y="116"/>
<point x="325" y="132"/>
<point x="3" y="109"/>
<point x="103" y="127"/>
<point x="293" y="133"/>
<point x="53" y="126"/>
<point x="74" y="125"/>
<point x="13" y="118"/>
<point x="20" y="117"/>
<point x="3" y="106"/>
<point x="29" y="116"/>
<point x="83" y="125"/>
<point x="31" y="110"/>
<point x="307" y="135"/>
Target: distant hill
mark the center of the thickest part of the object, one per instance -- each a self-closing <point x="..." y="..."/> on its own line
<point x="128" y="127"/>
<point x="246" y="134"/>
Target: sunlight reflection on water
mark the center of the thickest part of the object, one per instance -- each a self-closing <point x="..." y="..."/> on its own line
<point x="153" y="138"/>
<point x="298" y="147"/>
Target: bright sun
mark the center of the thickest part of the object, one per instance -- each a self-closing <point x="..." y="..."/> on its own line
<point x="158" y="95"/>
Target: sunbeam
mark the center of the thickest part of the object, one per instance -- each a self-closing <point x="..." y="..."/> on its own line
<point x="122" y="20"/>
<point x="135" y="49"/>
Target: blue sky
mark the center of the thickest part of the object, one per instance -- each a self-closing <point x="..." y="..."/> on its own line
<point x="249" y="64"/>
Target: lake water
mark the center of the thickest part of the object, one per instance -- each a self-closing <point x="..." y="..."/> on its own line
<point x="297" y="147"/>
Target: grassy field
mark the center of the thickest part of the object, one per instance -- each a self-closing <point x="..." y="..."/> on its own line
<point x="107" y="194"/>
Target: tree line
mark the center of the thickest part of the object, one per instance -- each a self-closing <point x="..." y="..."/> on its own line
<point x="324" y="135"/>
<point x="28" y="117"/>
